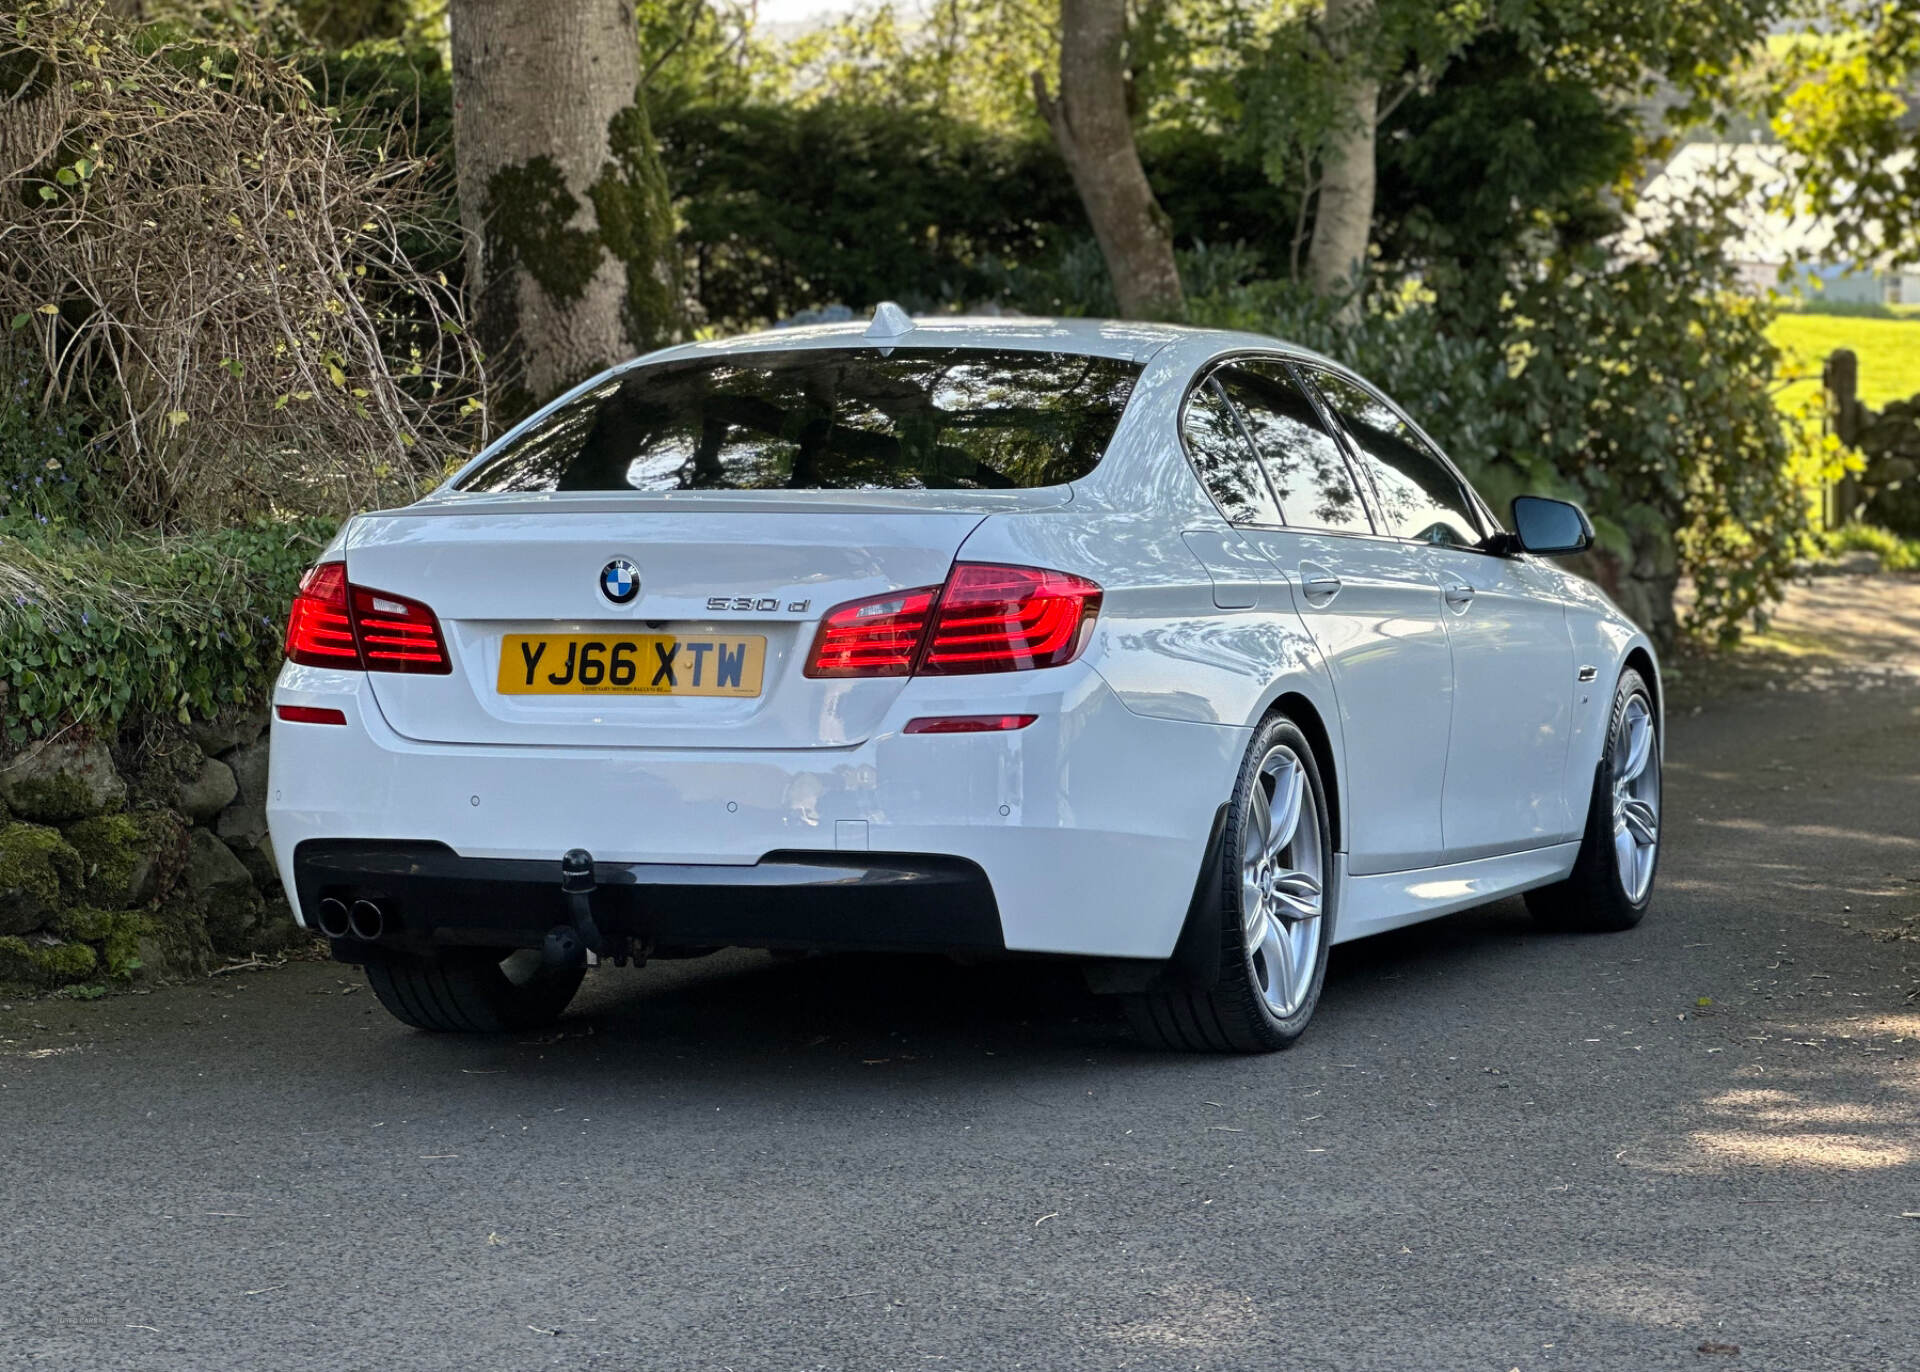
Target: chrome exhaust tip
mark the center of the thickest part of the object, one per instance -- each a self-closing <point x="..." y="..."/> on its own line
<point x="367" y="921"/>
<point x="333" y="918"/>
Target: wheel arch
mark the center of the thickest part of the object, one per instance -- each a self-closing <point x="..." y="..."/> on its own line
<point x="1640" y="658"/>
<point x="1304" y="713"/>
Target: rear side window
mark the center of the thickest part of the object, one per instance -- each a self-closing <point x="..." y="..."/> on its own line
<point x="1310" y="475"/>
<point x="1420" y="498"/>
<point x="1224" y="460"/>
<point x="826" y="419"/>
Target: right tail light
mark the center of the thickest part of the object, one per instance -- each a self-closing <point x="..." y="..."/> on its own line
<point x="986" y="618"/>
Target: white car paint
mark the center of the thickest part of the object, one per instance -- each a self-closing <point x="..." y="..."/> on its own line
<point x="1461" y="749"/>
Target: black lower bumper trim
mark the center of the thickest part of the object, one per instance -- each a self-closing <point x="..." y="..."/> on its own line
<point x="434" y="898"/>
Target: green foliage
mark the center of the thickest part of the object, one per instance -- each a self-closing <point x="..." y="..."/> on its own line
<point x="785" y="208"/>
<point x="97" y="630"/>
<point x="1496" y="156"/>
<point x="52" y="472"/>
<point x="1896" y="554"/>
<point x="1845" y="114"/>
<point x="969" y="61"/>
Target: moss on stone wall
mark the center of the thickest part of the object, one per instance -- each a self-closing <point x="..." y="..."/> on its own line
<point x="58" y="796"/>
<point x="43" y="966"/>
<point x="128" y="858"/>
<point x="38" y="869"/>
<point x="116" y="936"/>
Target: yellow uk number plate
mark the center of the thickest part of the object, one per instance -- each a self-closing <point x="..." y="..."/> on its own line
<point x="631" y="665"/>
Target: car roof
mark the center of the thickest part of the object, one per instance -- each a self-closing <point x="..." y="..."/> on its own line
<point x="1118" y="338"/>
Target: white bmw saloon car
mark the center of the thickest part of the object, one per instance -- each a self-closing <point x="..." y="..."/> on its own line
<point x="1187" y="654"/>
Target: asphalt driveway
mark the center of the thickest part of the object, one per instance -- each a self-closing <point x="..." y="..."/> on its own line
<point x="1696" y="1145"/>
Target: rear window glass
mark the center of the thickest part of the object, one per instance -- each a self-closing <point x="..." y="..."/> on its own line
<point x="826" y="419"/>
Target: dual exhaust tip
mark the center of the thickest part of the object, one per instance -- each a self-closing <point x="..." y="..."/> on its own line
<point x="363" y="920"/>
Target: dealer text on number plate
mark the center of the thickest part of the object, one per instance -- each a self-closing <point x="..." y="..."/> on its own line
<point x="631" y="664"/>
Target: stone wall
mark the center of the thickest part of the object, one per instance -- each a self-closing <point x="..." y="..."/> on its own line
<point x="140" y="859"/>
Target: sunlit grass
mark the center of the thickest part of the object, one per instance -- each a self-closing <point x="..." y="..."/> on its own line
<point x="1888" y="348"/>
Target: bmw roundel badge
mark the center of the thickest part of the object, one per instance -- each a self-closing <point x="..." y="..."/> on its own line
<point x="620" y="581"/>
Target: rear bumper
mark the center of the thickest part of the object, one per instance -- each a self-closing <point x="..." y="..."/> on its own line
<point x="1089" y="825"/>
<point x="432" y="898"/>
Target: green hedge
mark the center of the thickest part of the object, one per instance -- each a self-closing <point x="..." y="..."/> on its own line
<point x="100" y="630"/>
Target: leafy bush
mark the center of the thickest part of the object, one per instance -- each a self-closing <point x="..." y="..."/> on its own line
<point x="215" y="267"/>
<point x="1896" y="554"/>
<point x="51" y="468"/>
<point x="788" y="207"/>
<point x="101" y="630"/>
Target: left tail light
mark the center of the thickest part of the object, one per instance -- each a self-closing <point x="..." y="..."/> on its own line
<point x="334" y="623"/>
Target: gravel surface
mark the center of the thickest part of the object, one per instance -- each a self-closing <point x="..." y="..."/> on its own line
<point x="1696" y="1145"/>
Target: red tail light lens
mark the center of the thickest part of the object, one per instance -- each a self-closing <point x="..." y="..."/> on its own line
<point x="985" y="619"/>
<point x="397" y="634"/>
<point x="319" y="629"/>
<point x="336" y="624"/>
<point x="1003" y="619"/>
<point x="877" y="637"/>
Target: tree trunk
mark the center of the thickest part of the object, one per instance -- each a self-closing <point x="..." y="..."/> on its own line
<point x="568" y="231"/>
<point x="1343" y="219"/>
<point x="1092" y="125"/>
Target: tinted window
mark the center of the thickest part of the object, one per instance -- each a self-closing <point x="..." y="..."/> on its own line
<point x="1309" y="474"/>
<point x="1224" y="460"/>
<point x="1419" y="497"/>
<point x="818" y="419"/>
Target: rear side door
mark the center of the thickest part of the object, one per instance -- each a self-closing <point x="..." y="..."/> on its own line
<point x="1371" y="608"/>
<point x="1513" y="668"/>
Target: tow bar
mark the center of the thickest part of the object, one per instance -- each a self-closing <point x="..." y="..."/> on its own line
<point x="567" y="945"/>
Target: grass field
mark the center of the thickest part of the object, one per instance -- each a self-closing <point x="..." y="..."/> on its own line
<point x="1889" y="351"/>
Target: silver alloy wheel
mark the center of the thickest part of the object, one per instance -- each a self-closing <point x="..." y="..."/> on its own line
<point x="1282" y="881"/>
<point x="1636" y="798"/>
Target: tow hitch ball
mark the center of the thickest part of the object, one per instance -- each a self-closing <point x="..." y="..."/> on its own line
<point x="567" y="945"/>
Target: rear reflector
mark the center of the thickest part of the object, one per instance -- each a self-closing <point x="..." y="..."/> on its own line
<point x="969" y="724"/>
<point x="310" y="714"/>
<point x="336" y="624"/>
<point x="984" y="619"/>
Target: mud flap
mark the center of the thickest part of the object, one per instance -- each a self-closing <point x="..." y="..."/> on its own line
<point x="1195" y="960"/>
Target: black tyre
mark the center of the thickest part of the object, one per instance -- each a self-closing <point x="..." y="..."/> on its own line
<point x="1612" y="880"/>
<point x="1275" y="872"/>
<point x="476" y="992"/>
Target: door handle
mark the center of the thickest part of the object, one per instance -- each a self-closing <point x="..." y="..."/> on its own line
<point x="1459" y="595"/>
<point x="1318" y="584"/>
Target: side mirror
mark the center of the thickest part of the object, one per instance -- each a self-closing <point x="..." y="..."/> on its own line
<point x="1552" y="528"/>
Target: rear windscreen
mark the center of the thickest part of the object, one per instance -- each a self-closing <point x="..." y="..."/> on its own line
<point x="825" y="419"/>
